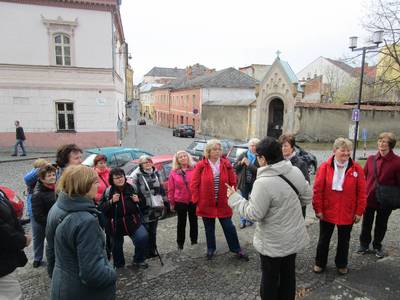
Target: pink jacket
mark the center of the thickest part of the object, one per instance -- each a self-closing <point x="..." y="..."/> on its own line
<point x="103" y="183"/>
<point x="178" y="190"/>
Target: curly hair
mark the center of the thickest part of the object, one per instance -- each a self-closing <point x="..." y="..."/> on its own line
<point x="63" y="152"/>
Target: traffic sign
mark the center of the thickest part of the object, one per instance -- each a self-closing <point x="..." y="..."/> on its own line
<point x="355" y="116"/>
<point x="195" y="111"/>
<point x="364" y="134"/>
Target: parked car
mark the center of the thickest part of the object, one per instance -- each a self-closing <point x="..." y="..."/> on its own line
<point x="309" y="158"/>
<point x="16" y="201"/>
<point x="163" y="163"/>
<point x="184" y="131"/>
<point x="196" y="148"/>
<point x="141" y="121"/>
<point x="116" y="156"/>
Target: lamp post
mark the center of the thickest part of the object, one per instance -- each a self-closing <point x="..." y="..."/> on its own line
<point x="376" y="39"/>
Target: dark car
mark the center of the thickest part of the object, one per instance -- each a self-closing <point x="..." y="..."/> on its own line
<point x="116" y="156"/>
<point x="163" y="164"/>
<point x="141" y="121"/>
<point x="236" y="151"/>
<point x="184" y="131"/>
<point x="196" y="148"/>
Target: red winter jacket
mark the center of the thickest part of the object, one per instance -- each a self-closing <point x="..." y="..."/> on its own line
<point x="388" y="169"/>
<point x="103" y="183"/>
<point x="202" y="187"/>
<point x="339" y="207"/>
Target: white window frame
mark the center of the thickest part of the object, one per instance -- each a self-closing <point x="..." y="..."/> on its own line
<point x="63" y="46"/>
<point x="63" y="27"/>
<point x="65" y="113"/>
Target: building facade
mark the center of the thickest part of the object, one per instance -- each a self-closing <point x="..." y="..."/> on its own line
<point x="62" y="72"/>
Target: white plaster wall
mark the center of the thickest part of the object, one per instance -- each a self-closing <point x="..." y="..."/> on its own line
<point x="221" y="94"/>
<point x="24" y="37"/>
<point x="35" y="108"/>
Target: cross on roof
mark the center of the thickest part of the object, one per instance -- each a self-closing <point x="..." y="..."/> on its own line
<point x="278" y="53"/>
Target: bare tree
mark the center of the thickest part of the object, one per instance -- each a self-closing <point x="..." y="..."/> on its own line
<point x="385" y="15"/>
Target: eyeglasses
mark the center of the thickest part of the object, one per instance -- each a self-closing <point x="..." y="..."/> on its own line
<point x="118" y="177"/>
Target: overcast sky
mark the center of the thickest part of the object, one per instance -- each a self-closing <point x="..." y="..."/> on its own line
<point x="237" y="33"/>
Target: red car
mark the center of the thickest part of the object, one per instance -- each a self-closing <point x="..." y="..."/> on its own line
<point x="15" y="200"/>
<point x="163" y="164"/>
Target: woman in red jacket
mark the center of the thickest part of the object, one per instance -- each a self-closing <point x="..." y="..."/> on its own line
<point x="180" y="196"/>
<point x="339" y="200"/>
<point x="209" y="193"/>
<point x="103" y="173"/>
<point x="388" y="171"/>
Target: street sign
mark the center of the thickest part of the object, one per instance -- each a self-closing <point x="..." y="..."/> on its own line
<point x="364" y="134"/>
<point x="195" y="111"/>
<point x="352" y="130"/>
<point x="355" y="116"/>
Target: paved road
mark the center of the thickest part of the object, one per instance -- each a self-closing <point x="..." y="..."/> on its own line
<point x="187" y="274"/>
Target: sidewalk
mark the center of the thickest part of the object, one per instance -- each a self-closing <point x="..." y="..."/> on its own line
<point x="5" y="156"/>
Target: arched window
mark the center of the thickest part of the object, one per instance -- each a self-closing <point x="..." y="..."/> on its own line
<point x="62" y="47"/>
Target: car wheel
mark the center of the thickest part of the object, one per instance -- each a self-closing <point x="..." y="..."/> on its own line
<point x="311" y="169"/>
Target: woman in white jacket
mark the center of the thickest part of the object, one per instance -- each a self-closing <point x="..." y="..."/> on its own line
<point x="274" y="204"/>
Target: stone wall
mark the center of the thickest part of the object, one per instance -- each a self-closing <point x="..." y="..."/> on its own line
<point x="326" y="122"/>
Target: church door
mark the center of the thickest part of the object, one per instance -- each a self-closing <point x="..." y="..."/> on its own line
<point x="275" y="118"/>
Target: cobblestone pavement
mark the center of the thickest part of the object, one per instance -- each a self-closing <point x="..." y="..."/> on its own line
<point x="187" y="274"/>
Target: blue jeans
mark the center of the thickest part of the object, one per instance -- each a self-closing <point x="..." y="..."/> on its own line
<point x="38" y="236"/>
<point x="139" y="239"/>
<point x="21" y="144"/>
<point x="245" y="194"/>
<point x="229" y="232"/>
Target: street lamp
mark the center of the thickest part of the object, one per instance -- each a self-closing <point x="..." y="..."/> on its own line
<point x="377" y="38"/>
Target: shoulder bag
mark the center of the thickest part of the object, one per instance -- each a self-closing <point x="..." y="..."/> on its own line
<point x="388" y="196"/>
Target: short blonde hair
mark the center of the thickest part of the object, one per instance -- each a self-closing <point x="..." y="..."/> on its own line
<point x="342" y="142"/>
<point x="40" y="162"/>
<point x="211" y="144"/>
<point x="144" y="158"/>
<point x="175" y="163"/>
<point x="253" y="141"/>
<point x="77" y="180"/>
<point x="390" y="136"/>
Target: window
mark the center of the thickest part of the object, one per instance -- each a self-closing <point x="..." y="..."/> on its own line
<point x="62" y="46"/>
<point x="65" y="116"/>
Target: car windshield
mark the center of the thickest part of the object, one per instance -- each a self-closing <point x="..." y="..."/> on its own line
<point x="197" y="146"/>
<point x="130" y="168"/>
<point x="236" y="152"/>
<point x="89" y="160"/>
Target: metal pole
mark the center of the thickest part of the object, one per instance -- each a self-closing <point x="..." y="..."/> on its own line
<point x="364" y="50"/>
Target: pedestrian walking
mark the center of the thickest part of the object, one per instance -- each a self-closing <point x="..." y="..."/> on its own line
<point x="43" y="199"/>
<point x="120" y="206"/>
<point x="30" y="179"/>
<point x="67" y="155"/>
<point x="383" y="167"/>
<point x="20" y="139"/>
<point x="180" y="196"/>
<point x="246" y="167"/>
<point x="103" y="172"/>
<point x="280" y="229"/>
<point x="288" y="142"/>
<point x="209" y="194"/>
<point x="339" y="201"/>
<point x="77" y="262"/>
<point x="147" y="182"/>
<point x="13" y="241"/>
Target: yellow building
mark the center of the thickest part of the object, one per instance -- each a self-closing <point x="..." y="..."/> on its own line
<point x="388" y="73"/>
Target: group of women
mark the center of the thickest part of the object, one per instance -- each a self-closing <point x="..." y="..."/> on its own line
<point x="78" y="263"/>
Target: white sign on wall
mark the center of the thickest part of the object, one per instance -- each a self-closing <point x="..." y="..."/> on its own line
<point x="352" y="130"/>
<point x="101" y="101"/>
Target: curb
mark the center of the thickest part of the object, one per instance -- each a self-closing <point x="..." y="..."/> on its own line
<point x="26" y="158"/>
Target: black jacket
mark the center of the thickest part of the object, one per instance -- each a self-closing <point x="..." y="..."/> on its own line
<point x="244" y="183"/>
<point x="20" y="135"/>
<point x="123" y="217"/>
<point x="302" y="165"/>
<point x="12" y="237"/>
<point x="43" y="199"/>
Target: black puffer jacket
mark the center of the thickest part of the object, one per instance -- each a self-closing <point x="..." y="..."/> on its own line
<point x="43" y="199"/>
<point x="246" y="175"/>
<point x="123" y="217"/>
<point x="12" y="237"/>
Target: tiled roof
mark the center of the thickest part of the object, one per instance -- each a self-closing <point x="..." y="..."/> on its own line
<point x="166" y="72"/>
<point x="345" y="67"/>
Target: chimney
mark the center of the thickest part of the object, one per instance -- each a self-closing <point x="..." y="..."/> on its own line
<point x="189" y="72"/>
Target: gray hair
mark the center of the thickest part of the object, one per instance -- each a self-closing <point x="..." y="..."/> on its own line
<point x="253" y="141"/>
<point x="342" y="142"/>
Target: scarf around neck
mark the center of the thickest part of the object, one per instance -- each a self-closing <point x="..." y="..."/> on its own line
<point x="338" y="175"/>
<point x="215" y="167"/>
<point x="251" y="157"/>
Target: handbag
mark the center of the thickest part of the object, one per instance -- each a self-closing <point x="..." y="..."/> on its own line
<point x="157" y="201"/>
<point x="388" y="196"/>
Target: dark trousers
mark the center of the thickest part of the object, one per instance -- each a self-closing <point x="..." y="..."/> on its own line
<point x="342" y="250"/>
<point x="382" y="218"/>
<point x="229" y="232"/>
<point x="21" y="144"/>
<point x="278" y="277"/>
<point x="184" y="210"/>
<point x="245" y="194"/>
<point x="151" y="228"/>
<point x="38" y="236"/>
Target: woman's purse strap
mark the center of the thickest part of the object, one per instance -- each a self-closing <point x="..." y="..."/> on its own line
<point x="376" y="171"/>
<point x="105" y="182"/>
<point x="291" y="184"/>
